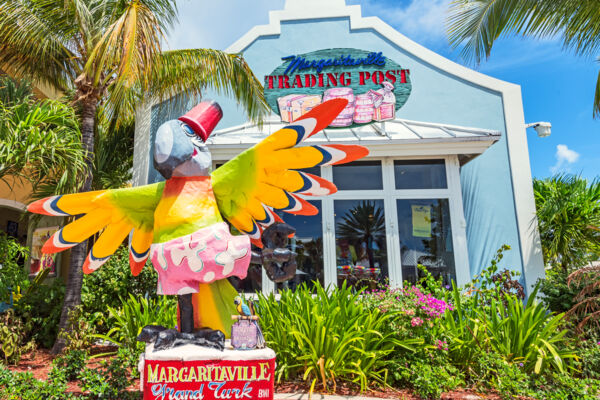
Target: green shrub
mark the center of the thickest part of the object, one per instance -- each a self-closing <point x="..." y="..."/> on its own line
<point x="40" y="308"/>
<point x="12" y="338"/>
<point x="589" y="353"/>
<point x="528" y="333"/>
<point x="128" y="320"/>
<point x="564" y="387"/>
<point x="70" y="364"/>
<point x="428" y="378"/>
<point x="113" y="282"/>
<point x="557" y="294"/>
<point x="109" y="381"/>
<point x="325" y="336"/>
<point x="12" y="275"/>
<point x="23" y="386"/>
<point x="493" y="372"/>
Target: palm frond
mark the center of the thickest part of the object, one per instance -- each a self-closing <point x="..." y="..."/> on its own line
<point x="477" y="24"/>
<point x="568" y="210"/>
<point x="194" y="70"/>
<point x="597" y="96"/>
<point x="36" y="41"/>
<point x="41" y="144"/>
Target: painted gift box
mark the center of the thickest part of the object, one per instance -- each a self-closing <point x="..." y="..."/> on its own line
<point x="385" y="112"/>
<point x="293" y="106"/>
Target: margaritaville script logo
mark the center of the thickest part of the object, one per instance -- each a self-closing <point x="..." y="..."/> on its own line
<point x="192" y="382"/>
<point x="374" y="85"/>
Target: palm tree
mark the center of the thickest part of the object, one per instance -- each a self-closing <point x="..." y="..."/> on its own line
<point x="568" y="213"/>
<point x="109" y="53"/>
<point x="365" y="223"/>
<point x="40" y="141"/>
<point x="477" y="24"/>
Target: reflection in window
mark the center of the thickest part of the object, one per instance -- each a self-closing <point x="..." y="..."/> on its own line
<point x="420" y="174"/>
<point x="425" y="238"/>
<point x="361" y="257"/>
<point x="308" y="245"/>
<point x="253" y="281"/>
<point x="359" y="175"/>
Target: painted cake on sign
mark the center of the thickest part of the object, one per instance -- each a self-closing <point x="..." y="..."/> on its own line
<point x="345" y="118"/>
<point x="363" y="113"/>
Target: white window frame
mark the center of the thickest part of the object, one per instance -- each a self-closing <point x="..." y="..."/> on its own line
<point x="389" y="194"/>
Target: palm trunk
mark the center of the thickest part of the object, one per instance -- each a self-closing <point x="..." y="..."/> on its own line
<point x="78" y="253"/>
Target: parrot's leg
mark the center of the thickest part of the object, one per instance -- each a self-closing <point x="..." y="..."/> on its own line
<point x="186" y="313"/>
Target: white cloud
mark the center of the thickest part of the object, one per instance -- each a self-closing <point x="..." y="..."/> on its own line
<point x="423" y="21"/>
<point x="564" y="157"/>
<point x="217" y="24"/>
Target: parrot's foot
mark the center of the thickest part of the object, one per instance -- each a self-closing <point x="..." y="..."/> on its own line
<point x="278" y="261"/>
<point x="164" y="338"/>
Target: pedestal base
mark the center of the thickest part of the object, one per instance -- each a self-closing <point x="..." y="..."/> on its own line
<point x="193" y="372"/>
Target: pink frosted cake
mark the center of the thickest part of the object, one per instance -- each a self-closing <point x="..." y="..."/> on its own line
<point x="346" y="116"/>
<point x="363" y="112"/>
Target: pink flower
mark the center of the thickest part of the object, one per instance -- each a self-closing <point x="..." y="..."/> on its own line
<point x="416" y="321"/>
<point x="442" y="345"/>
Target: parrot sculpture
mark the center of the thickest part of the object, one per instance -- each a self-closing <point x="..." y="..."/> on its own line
<point x="180" y="223"/>
<point x="247" y="310"/>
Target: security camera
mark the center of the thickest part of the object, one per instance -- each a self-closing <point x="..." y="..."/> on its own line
<point x="543" y="129"/>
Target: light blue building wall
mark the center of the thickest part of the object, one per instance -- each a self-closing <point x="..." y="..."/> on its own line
<point x="437" y="96"/>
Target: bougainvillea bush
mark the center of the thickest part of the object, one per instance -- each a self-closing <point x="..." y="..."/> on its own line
<point x="418" y="310"/>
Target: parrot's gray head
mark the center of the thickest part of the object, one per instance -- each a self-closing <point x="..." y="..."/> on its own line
<point x="179" y="152"/>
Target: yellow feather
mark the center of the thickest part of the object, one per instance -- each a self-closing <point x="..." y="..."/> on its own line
<point x="79" y="203"/>
<point x="141" y="240"/>
<point x="111" y="239"/>
<point x="242" y="221"/>
<point x="84" y="227"/>
<point x="256" y="210"/>
<point x="282" y="139"/>
<point x="288" y="180"/>
<point x="296" y="158"/>
<point x="271" y="195"/>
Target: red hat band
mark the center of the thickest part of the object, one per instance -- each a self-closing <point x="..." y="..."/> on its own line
<point x="203" y="118"/>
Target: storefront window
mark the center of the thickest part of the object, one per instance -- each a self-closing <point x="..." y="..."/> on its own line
<point x="308" y="245"/>
<point x="420" y="174"/>
<point x="359" y="175"/>
<point x="425" y="238"/>
<point x="361" y="255"/>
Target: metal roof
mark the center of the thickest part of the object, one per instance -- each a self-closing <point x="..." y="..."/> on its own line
<point x="394" y="131"/>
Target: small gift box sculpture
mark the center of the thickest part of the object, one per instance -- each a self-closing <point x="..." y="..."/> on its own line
<point x="245" y="332"/>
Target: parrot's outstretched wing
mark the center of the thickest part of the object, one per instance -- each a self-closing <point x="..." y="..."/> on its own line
<point x="266" y="176"/>
<point x="115" y="212"/>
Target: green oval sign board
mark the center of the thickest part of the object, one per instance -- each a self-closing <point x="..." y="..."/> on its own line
<point x="375" y="86"/>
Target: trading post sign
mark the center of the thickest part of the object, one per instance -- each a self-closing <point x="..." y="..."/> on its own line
<point x="375" y="86"/>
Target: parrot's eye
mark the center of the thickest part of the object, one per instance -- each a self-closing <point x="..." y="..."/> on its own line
<point x="188" y="131"/>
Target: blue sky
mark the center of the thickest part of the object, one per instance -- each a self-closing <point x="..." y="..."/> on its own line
<point x="557" y="86"/>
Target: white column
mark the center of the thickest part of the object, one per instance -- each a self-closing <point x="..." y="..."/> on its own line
<point x="457" y="219"/>
<point x="391" y="224"/>
<point x="329" y="257"/>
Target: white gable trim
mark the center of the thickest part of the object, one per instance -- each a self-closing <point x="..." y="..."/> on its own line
<point x="533" y="265"/>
